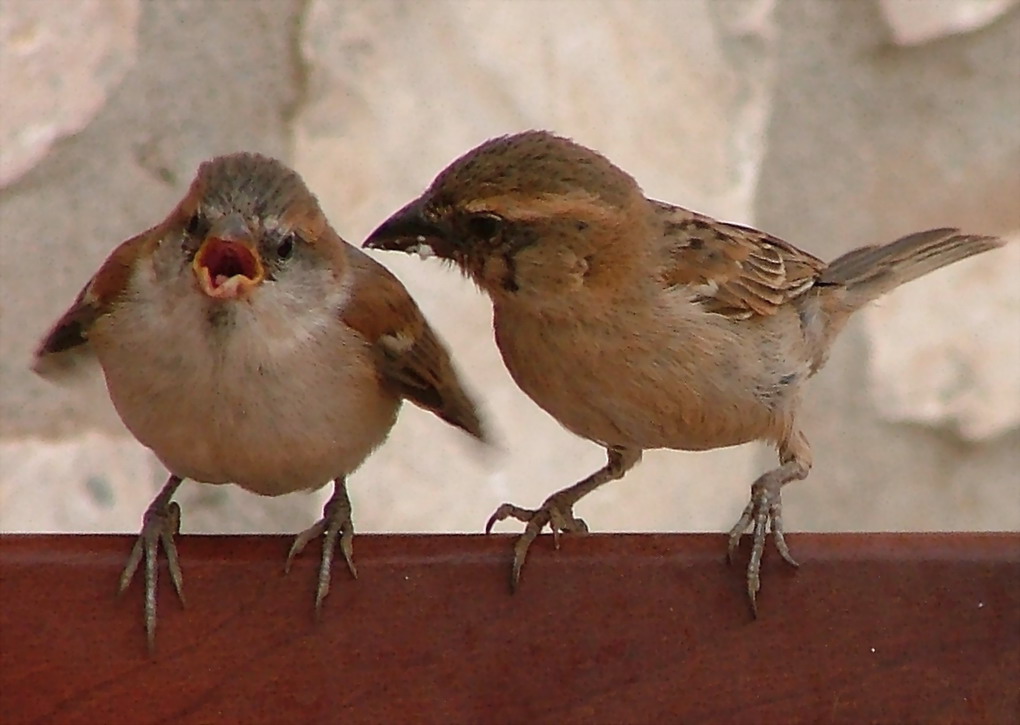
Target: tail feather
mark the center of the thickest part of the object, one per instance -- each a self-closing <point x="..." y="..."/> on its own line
<point x="870" y="272"/>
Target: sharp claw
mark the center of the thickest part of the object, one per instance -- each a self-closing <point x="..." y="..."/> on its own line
<point x="174" y="565"/>
<point x="731" y="550"/>
<point x="294" y="551"/>
<point x="301" y="541"/>
<point x="507" y="511"/>
<point x="504" y="511"/>
<point x="738" y="531"/>
<point x="521" y="552"/>
<point x="732" y="545"/>
<point x="778" y="537"/>
<point x="325" y="568"/>
<point x="131" y="566"/>
<point x="515" y="576"/>
<point x="347" y="548"/>
<point x="781" y="546"/>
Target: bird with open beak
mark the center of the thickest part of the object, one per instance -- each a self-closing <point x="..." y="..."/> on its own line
<point x="244" y="341"/>
<point x="638" y="324"/>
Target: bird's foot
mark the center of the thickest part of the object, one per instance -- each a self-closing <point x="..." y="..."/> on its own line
<point x="335" y="524"/>
<point x="763" y="511"/>
<point x="162" y="521"/>
<point x="556" y="512"/>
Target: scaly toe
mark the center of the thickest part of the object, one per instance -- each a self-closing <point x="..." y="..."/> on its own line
<point x="783" y="548"/>
<point x="752" y="595"/>
<point x="347" y="549"/>
<point x="733" y="545"/>
<point x="325" y="569"/>
<point x="131" y="565"/>
<point x="509" y="511"/>
<point x="521" y="547"/>
<point x="158" y="528"/>
<point x="173" y="563"/>
<point x="302" y="540"/>
<point x="776" y="516"/>
<point x="336" y="530"/>
<point x="564" y="520"/>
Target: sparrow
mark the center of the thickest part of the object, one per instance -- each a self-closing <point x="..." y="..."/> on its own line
<point x="639" y="324"/>
<point x="243" y="341"/>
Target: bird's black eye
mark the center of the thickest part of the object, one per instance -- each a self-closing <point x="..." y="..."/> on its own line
<point x="196" y="225"/>
<point x="286" y="247"/>
<point x="484" y="226"/>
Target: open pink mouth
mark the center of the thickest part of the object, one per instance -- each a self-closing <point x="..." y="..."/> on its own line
<point x="226" y="269"/>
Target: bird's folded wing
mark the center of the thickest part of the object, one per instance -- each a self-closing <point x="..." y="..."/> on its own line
<point x="732" y="270"/>
<point x="410" y="355"/>
<point x="95" y="299"/>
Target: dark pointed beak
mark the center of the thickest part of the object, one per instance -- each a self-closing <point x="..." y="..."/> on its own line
<point x="409" y="231"/>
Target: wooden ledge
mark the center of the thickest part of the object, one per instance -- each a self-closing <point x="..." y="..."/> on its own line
<point x="612" y="628"/>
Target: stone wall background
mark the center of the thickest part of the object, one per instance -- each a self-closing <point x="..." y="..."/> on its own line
<point x="831" y="124"/>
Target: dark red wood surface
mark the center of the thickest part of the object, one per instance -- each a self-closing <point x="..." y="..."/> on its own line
<point x="611" y="628"/>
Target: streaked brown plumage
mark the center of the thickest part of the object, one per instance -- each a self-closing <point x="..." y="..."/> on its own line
<point x="639" y="324"/>
<point x="245" y="342"/>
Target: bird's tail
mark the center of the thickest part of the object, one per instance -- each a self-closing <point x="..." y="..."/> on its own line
<point x="870" y="272"/>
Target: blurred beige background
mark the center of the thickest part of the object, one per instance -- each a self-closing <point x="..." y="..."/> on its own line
<point x="831" y="124"/>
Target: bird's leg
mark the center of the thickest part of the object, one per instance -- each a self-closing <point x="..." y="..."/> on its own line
<point x="335" y="522"/>
<point x="765" y="510"/>
<point x="558" y="510"/>
<point x="162" y="520"/>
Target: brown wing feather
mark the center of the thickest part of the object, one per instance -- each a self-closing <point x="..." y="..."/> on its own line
<point x="735" y="270"/>
<point x="411" y="356"/>
<point x="96" y="298"/>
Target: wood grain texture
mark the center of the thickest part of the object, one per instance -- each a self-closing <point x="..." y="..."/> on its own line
<point x="612" y="628"/>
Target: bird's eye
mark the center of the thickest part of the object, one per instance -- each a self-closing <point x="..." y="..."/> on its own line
<point x="196" y="225"/>
<point x="484" y="226"/>
<point x="286" y="247"/>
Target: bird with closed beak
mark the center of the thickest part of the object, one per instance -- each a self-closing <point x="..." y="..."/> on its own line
<point x="243" y="341"/>
<point x="639" y="324"/>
